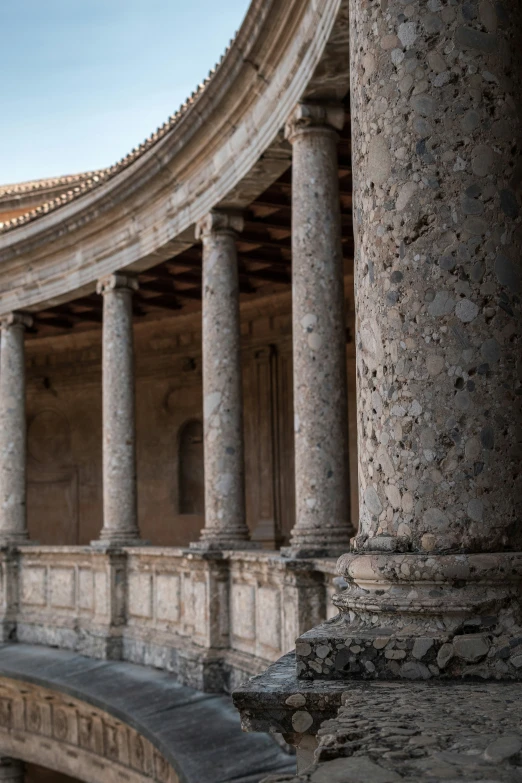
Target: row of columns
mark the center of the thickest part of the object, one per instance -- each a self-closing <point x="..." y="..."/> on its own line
<point x="320" y="398"/>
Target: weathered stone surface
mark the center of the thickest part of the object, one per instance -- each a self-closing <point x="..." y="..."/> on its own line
<point x="409" y="616"/>
<point x="439" y="309"/>
<point x="120" y="522"/>
<point x="13" y="503"/>
<point x="323" y="524"/>
<point x="225" y="515"/>
<point x="422" y="732"/>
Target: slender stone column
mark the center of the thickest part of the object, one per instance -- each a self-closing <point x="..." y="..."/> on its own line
<point x="120" y="525"/>
<point x="13" y="489"/>
<point x="319" y="336"/>
<point x="435" y="581"/>
<point x="12" y="770"/>
<point x="225" y="519"/>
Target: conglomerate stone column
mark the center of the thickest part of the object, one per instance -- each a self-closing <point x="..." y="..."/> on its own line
<point x="120" y="524"/>
<point x="12" y="770"/>
<point x="225" y="517"/>
<point x="434" y="582"/>
<point x="319" y="336"/>
<point x="13" y="430"/>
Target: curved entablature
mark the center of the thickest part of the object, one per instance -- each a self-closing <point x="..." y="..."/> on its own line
<point x="106" y="721"/>
<point x="224" y="150"/>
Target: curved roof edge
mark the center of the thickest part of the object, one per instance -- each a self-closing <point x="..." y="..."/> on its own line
<point x="83" y="182"/>
<point x="224" y="150"/>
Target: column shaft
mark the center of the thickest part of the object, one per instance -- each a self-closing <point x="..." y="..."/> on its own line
<point x="11" y="770"/>
<point x="225" y="522"/>
<point x="120" y="524"/>
<point x="437" y="165"/>
<point x="434" y="584"/>
<point x="13" y="489"/>
<point x="319" y="336"/>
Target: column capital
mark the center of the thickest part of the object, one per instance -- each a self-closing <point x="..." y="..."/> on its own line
<point x="314" y="115"/>
<point x="117" y="281"/>
<point x="15" y="319"/>
<point x="220" y="221"/>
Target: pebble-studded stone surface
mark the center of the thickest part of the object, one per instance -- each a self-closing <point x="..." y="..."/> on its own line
<point x="319" y="340"/>
<point x="420" y="732"/>
<point x="334" y="651"/>
<point x="225" y="519"/>
<point x="437" y="157"/>
<point x="120" y="516"/>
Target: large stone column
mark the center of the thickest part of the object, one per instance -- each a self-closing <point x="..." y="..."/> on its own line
<point x="120" y="525"/>
<point x="12" y="770"/>
<point x="13" y="489"/>
<point x="225" y="518"/>
<point x="437" y="159"/>
<point x="319" y="336"/>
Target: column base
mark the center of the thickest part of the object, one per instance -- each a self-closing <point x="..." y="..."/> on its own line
<point x="117" y="543"/>
<point x="13" y="541"/>
<point x="222" y="545"/>
<point x="299" y="552"/>
<point x="334" y="542"/>
<point x="417" y="617"/>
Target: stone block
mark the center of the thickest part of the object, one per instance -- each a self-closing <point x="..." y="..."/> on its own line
<point x="34" y="586"/>
<point x="140" y="594"/>
<point x="268" y="621"/>
<point x="168" y="598"/>
<point x="243" y="612"/>
<point x="101" y="593"/>
<point x="63" y="588"/>
<point x="199" y="592"/>
<point x="85" y="589"/>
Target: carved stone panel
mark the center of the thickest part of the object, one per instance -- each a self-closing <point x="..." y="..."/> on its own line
<point x="34" y="586"/>
<point x="140" y="594"/>
<point x="269" y="617"/>
<point x="64" y="734"/>
<point x="85" y="589"/>
<point x="63" y="588"/>
<point x="168" y="597"/>
<point x="243" y="614"/>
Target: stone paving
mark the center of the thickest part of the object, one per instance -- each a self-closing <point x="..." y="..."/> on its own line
<point x="387" y="732"/>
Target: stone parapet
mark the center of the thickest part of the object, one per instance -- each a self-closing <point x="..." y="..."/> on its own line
<point x="213" y="619"/>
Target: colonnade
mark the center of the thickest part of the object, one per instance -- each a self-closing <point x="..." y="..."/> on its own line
<point x="323" y="525"/>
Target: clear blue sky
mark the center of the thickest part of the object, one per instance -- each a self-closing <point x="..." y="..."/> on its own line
<point x="84" y="81"/>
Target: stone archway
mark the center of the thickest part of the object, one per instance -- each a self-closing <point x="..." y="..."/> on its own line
<point x="46" y="727"/>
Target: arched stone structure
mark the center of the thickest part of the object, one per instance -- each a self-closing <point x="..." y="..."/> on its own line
<point x="44" y="726"/>
<point x="118" y="722"/>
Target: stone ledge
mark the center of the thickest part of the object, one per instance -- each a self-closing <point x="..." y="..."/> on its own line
<point x="277" y="702"/>
<point x="339" y="650"/>
<point x="412" y="732"/>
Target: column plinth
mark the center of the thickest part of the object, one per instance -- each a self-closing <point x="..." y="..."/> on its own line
<point x="434" y="578"/>
<point x="120" y="525"/>
<point x="225" y="514"/>
<point x="323" y="526"/>
<point x="13" y="430"/>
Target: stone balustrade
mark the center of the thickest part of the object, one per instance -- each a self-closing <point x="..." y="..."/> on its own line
<point x="213" y="619"/>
